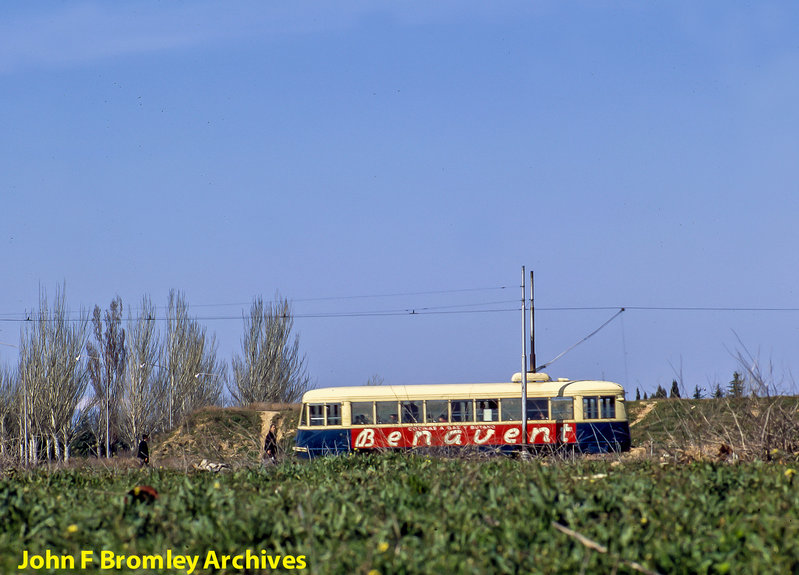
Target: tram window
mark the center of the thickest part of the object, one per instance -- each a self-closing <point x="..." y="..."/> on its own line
<point x="462" y="410"/>
<point x="487" y="409"/>
<point x="411" y="411"/>
<point x="538" y="409"/>
<point x="562" y="408"/>
<point x="437" y="411"/>
<point x="511" y="409"/>
<point x="608" y="407"/>
<point x="334" y="414"/>
<point x="590" y="408"/>
<point x="316" y="413"/>
<point x="304" y="415"/>
<point x="362" y="412"/>
<point x="386" y="412"/>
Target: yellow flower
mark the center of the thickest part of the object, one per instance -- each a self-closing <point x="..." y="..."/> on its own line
<point x="373" y="572"/>
<point x="790" y="473"/>
<point x="644" y="520"/>
<point x="216" y="485"/>
<point x="382" y="547"/>
<point x="72" y="528"/>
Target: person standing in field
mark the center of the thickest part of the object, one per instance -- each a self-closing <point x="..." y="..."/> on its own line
<point x="144" y="451"/>
<point x="270" y="445"/>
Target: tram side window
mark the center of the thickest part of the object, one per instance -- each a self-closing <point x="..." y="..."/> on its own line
<point x="316" y="413"/>
<point x="386" y="412"/>
<point x="608" y="407"/>
<point x="590" y="408"/>
<point x="334" y="414"/>
<point x="562" y="408"/>
<point x="411" y="411"/>
<point x="437" y="411"/>
<point x="462" y="410"/>
<point x="362" y="412"/>
<point x="511" y="409"/>
<point x="538" y="409"/>
<point x="487" y="409"/>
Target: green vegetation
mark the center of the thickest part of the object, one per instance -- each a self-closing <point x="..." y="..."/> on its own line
<point x="413" y="514"/>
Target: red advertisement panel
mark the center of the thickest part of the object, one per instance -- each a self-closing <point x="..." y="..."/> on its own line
<point x="452" y="435"/>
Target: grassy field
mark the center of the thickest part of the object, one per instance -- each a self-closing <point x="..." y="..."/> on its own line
<point x="387" y="514"/>
<point x="412" y="514"/>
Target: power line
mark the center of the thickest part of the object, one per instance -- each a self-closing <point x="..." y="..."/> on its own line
<point x="30" y="315"/>
<point x="441" y="310"/>
<point x="667" y="308"/>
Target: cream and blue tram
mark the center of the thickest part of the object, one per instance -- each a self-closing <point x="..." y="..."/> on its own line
<point x="588" y="416"/>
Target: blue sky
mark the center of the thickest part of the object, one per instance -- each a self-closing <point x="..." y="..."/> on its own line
<point x="632" y="154"/>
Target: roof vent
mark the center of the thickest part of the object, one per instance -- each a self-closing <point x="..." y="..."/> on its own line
<point x="534" y="377"/>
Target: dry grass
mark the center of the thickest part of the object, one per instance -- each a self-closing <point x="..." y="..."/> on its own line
<point x="747" y="428"/>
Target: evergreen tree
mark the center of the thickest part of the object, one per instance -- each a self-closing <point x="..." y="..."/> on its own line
<point x="675" y="389"/>
<point x="645" y="396"/>
<point x="718" y="392"/>
<point x="698" y="393"/>
<point x="736" y="387"/>
<point x="660" y="393"/>
<point x="637" y="394"/>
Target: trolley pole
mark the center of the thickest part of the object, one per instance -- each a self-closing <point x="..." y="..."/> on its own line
<point x="532" y="326"/>
<point x="524" y="365"/>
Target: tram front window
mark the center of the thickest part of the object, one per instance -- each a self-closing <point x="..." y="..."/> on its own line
<point x="316" y="413"/>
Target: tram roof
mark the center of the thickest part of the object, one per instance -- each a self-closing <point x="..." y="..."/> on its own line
<point x="562" y="387"/>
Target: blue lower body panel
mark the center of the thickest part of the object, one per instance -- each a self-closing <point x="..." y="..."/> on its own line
<point x="323" y="442"/>
<point x="603" y="437"/>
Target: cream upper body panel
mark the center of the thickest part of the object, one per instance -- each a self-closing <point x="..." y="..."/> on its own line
<point x="547" y="388"/>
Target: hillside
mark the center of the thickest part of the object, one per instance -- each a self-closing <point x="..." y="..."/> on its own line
<point x="761" y="428"/>
<point x="230" y="435"/>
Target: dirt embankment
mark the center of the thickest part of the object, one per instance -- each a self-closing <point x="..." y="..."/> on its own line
<point x="646" y="410"/>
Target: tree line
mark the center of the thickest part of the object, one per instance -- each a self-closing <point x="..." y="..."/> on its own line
<point x="735" y="388"/>
<point x="98" y="382"/>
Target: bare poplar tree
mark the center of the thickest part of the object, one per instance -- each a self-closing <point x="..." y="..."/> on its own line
<point x="9" y="409"/>
<point x="270" y="368"/>
<point x="106" y="361"/>
<point x="375" y="379"/>
<point x="193" y="377"/>
<point x="143" y="391"/>
<point x="52" y="378"/>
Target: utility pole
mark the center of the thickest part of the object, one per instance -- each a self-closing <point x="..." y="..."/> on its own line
<point x="524" y="365"/>
<point x="532" y="326"/>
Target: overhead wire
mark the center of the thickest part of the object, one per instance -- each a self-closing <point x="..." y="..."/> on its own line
<point x="428" y="310"/>
<point x="593" y="333"/>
